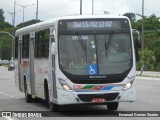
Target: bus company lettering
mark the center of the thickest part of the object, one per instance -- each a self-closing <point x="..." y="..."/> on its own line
<point x="42" y="70"/>
<point x="77" y="86"/>
<point x="76" y="37"/>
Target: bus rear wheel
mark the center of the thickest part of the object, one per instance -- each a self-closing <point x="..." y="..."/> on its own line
<point x="113" y="105"/>
<point x="28" y="97"/>
<point x="46" y="92"/>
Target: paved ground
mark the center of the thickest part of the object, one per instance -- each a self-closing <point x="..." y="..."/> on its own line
<point x="147" y="99"/>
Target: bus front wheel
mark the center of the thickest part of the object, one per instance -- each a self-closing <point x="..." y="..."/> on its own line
<point x="113" y="105"/>
<point x="54" y="107"/>
<point x="50" y="105"/>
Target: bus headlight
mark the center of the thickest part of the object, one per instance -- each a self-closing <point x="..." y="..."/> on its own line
<point x="129" y="84"/>
<point x="64" y="85"/>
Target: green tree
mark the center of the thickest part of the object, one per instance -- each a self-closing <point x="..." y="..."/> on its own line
<point x="147" y="58"/>
<point x="150" y="23"/>
<point x="131" y="16"/>
<point x="5" y="47"/>
<point x="27" y="23"/>
<point x="4" y="25"/>
<point x="156" y="50"/>
<point x="1" y="15"/>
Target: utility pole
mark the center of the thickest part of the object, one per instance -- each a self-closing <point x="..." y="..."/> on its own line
<point x="13" y="25"/>
<point x="24" y="6"/>
<point x="92" y="7"/>
<point x="37" y="11"/>
<point x="14" y="13"/>
<point x="1" y="48"/>
<point x="142" y="24"/>
<point x="80" y="7"/>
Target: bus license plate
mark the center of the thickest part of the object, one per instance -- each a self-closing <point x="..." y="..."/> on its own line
<point x="98" y="100"/>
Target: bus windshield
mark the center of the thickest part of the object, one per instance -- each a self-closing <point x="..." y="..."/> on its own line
<point x="95" y="54"/>
<point x="95" y="47"/>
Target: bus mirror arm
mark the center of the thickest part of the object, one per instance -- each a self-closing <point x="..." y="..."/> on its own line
<point x="53" y="49"/>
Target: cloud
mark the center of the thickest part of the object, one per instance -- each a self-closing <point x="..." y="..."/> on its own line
<point x="60" y="8"/>
<point x="52" y="8"/>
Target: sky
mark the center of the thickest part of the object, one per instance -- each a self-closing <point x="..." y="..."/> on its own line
<point x="48" y="9"/>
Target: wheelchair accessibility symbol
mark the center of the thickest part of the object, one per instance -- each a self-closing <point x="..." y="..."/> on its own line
<point x="92" y="69"/>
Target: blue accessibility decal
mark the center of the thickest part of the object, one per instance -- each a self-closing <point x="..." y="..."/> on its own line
<point x="92" y="69"/>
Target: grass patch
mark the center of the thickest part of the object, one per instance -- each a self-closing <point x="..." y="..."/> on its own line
<point x="5" y="65"/>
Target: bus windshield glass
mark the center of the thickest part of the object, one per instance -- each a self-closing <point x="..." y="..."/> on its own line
<point x="101" y="51"/>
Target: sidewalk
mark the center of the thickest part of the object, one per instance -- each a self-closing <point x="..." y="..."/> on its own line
<point x="148" y="75"/>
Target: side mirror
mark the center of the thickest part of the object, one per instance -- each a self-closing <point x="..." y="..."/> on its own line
<point x="137" y="42"/>
<point x="53" y="49"/>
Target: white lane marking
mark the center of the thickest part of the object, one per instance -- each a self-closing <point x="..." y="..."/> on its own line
<point x="16" y="97"/>
<point x="9" y="118"/>
<point x="144" y="86"/>
<point x="8" y="95"/>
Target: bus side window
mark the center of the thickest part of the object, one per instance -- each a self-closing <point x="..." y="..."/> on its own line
<point x="16" y="48"/>
<point x="39" y="45"/>
<point x="25" y="46"/>
<point x="46" y="43"/>
<point x="42" y="44"/>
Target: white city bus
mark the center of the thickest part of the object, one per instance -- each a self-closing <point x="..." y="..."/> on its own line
<point x="77" y="60"/>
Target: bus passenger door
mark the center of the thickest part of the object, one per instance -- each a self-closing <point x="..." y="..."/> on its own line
<point x="31" y="61"/>
<point x="52" y="57"/>
<point x="19" y="81"/>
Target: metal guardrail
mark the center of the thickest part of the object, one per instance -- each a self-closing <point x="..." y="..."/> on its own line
<point x="4" y="32"/>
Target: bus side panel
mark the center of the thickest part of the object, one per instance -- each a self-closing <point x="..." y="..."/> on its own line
<point x="41" y="74"/>
<point x="16" y="72"/>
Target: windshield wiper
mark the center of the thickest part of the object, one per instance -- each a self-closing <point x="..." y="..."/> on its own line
<point x="108" y="43"/>
<point x="82" y="43"/>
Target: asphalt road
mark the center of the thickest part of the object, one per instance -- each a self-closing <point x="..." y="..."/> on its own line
<point x="148" y="99"/>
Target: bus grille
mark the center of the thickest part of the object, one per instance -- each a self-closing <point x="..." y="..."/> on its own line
<point x="89" y="97"/>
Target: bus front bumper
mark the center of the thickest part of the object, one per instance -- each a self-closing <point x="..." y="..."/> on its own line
<point x="71" y="97"/>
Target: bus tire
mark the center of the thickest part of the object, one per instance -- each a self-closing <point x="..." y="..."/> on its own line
<point x="50" y="105"/>
<point x="28" y="97"/>
<point x="46" y="92"/>
<point x="112" y="106"/>
<point x="54" y="107"/>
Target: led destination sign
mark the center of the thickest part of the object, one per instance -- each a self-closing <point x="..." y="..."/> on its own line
<point x="89" y="25"/>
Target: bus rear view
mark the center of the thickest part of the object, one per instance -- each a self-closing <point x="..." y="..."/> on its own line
<point x="96" y="61"/>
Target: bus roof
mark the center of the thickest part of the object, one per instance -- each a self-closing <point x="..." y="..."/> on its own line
<point x="50" y="23"/>
<point x="91" y="16"/>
